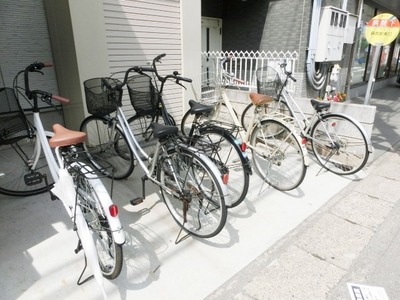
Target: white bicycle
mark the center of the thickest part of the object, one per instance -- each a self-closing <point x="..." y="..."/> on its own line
<point x="26" y="172"/>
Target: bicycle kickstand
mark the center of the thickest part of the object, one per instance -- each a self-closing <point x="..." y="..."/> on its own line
<point x="139" y="199"/>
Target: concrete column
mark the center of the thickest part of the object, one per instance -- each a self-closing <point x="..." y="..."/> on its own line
<point x="77" y="33"/>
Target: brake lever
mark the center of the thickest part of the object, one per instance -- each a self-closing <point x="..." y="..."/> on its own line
<point x="178" y="83"/>
<point x="37" y="71"/>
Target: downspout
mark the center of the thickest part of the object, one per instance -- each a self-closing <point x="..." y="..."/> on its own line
<point x="354" y="47"/>
<point x="316" y="78"/>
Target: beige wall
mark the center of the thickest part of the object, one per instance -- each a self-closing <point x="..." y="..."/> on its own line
<point x="78" y="40"/>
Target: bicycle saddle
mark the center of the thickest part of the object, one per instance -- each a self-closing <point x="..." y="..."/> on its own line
<point x="161" y="131"/>
<point x="318" y="105"/>
<point x="65" y="137"/>
<point x="260" y="99"/>
<point x="198" y="108"/>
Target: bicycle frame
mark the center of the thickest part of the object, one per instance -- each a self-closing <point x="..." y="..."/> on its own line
<point x="308" y="122"/>
<point x="256" y="121"/>
<point x="135" y="147"/>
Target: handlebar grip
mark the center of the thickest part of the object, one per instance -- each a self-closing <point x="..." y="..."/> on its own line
<point x="60" y="99"/>
<point x="38" y="66"/>
<point x="106" y="84"/>
<point x="160" y="56"/>
<point x="291" y="77"/>
<point x="47" y="65"/>
<point x="146" y="69"/>
<point x="184" y="79"/>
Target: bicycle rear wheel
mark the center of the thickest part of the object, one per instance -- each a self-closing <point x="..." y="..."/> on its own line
<point x="194" y="197"/>
<point x="107" y="145"/>
<point x="220" y="113"/>
<point x="275" y="106"/>
<point x="20" y="176"/>
<point x="223" y="149"/>
<point x="97" y="217"/>
<point x="339" y="144"/>
<point x="277" y="155"/>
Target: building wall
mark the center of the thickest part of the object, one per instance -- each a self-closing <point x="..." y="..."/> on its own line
<point x="24" y="40"/>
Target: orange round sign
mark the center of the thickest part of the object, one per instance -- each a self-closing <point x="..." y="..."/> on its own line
<point x="382" y="29"/>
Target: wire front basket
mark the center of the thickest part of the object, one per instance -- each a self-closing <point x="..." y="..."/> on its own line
<point x="143" y="95"/>
<point x="13" y="123"/>
<point x="209" y="87"/>
<point x="268" y="81"/>
<point x="100" y="101"/>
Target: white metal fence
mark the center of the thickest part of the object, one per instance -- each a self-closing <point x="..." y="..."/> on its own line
<point x="245" y="63"/>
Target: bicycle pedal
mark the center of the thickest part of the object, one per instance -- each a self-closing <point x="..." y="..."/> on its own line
<point x="136" y="201"/>
<point x="33" y="178"/>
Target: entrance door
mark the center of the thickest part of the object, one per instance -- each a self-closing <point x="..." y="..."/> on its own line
<point x="211" y="40"/>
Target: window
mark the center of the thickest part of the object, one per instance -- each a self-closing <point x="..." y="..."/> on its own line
<point x="363" y="47"/>
<point x="388" y="63"/>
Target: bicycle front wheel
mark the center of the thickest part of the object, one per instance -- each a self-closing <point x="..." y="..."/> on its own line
<point x="223" y="149"/>
<point x="97" y="217"/>
<point x="277" y="155"/>
<point x="192" y="192"/>
<point x="339" y="144"/>
<point x="24" y="169"/>
<point x="107" y="145"/>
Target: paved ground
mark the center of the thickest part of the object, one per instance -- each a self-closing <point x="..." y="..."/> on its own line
<point x="306" y="244"/>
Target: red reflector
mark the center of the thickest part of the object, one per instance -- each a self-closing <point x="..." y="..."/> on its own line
<point x="113" y="210"/>
<point x="243" y="147"/>
<point x="304" y="140"/>
<point x="333" y="124"/>
<point x="225" y="178"/>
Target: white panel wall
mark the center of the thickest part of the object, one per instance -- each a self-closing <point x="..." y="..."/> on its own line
<point x="24" y="40"/>
<point x="136" y="32"/>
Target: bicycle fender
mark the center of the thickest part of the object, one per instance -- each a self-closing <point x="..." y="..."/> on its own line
<point x="90" y="249"/>
<point x="104" y="197"/>
<point x="233" y="140"/>
<point x="64" y="189"/>
<point x="369" y="143"/>
<point x="213" y="168"/>
<point x="295" y="134"/>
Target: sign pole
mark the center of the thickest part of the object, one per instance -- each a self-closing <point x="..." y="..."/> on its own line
<point x="371" y="80"/>
<point x="381" y="30"/>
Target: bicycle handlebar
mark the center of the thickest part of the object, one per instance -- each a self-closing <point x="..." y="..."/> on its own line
<point x="136" y="69"/>
<point x="36" y="67"/>
<point x="287" y="73"/>
<point x="174" y="75"/>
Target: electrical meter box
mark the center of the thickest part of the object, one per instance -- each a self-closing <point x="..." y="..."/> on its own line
<point x="336" y="27"/>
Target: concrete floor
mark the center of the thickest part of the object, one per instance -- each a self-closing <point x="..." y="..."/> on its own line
<point x="37" y="259"/>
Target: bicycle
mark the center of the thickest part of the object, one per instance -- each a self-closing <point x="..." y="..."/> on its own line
<point x="226" y="151"/>
<point x="279" y="157"/>
<point x="191" y="185"/>
<point x="339" y="142"/>
<point x="86" y="200"/>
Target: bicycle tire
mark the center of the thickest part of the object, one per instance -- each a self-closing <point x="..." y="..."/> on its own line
<point x="143" y="133"/>
<point x="277" y="106"/>
<point x="223" y="149"/>
<point x="105" y="150"/>
<point x="109" y="252"/>
<point x="349" y="154"/>
<point x="206" y="210"/>
<point x="16" y="161"/>
<point x="277" y="155"/>
<point x="220" y="113"/>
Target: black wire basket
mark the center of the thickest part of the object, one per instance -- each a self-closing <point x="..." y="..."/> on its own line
<point x="143" y="95"/>
<point x="13" y="123"/>
<point x="268" y="81"/>
<point x="100" y="101"/>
